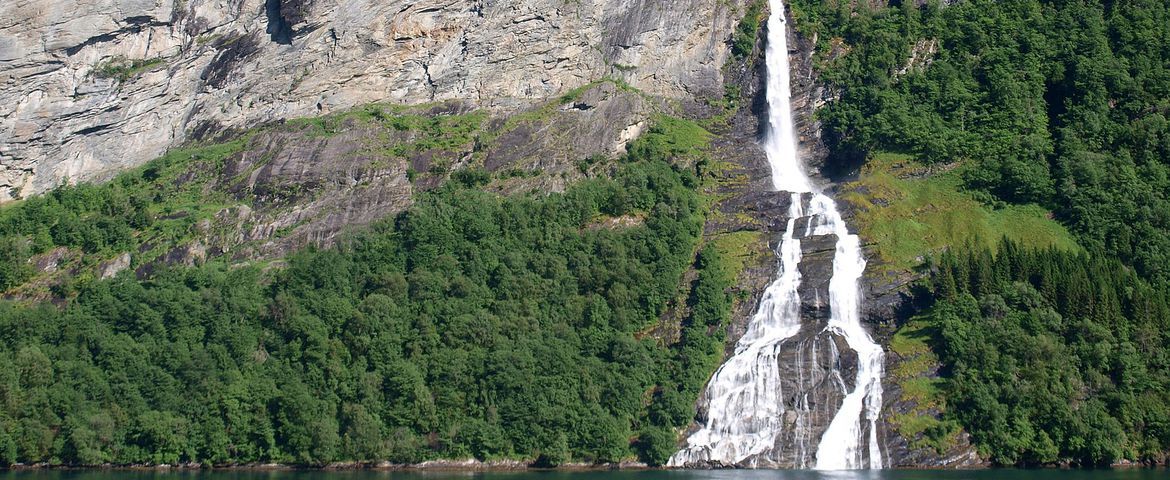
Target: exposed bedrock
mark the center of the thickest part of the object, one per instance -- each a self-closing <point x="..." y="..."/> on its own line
<point x="299" y="188"/>
<point x="90" y="87"/>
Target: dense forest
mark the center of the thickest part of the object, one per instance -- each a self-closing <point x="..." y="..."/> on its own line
<point x="581" y="326"/>
<point x="1050" y="356"/>
<point x="1054" y="356"/>
<point x="472" y="325"/>
<point x="1060" y="103"/>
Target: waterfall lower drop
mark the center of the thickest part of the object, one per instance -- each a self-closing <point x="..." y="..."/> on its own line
<point x="745" y="408"/>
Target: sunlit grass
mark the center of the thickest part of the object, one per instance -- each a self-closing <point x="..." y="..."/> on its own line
<point x="909" y="212"/>
<point x="920" y="390"/>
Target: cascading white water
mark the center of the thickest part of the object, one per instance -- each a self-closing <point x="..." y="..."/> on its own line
<point x="744" y="410"/>
<point x="840" y="446"/>
<point x="780" y="138"/>
<point x="744" y="399"/>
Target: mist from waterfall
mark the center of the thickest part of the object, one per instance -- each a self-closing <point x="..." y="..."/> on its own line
<point x="745" y="411"/>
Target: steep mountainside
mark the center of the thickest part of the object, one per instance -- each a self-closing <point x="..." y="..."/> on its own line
<point x="88" y="88"/>
<point x="314" y="231"/>
<point x="1043" y="123"/>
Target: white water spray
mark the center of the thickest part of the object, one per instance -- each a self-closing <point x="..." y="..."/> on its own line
<point x="744" y="399"/>
<point x="841" y="444"/>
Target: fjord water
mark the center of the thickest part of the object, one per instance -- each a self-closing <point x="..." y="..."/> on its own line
<point x="745" y="414"/>
<point x="1008" y="474"/>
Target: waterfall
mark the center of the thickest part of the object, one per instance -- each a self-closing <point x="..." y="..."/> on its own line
<point x="840" y="446"/>
<point x="745" y="398"/>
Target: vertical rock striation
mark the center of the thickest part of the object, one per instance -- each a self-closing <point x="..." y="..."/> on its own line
<point x="90" y="87"/>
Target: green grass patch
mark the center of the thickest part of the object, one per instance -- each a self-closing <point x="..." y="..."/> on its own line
<point x="911" y="344"/>
<point x="737" y="249"/>
<point x="123" y="69"/>
<point x="913" y="374"/>
<point x="433" y="131"/>
<point x="910" y="212"/>
<point x="671" y="137"/>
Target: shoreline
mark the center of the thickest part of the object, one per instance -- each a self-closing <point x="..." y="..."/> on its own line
<point x="469" y="465"/>
<point x="476" y="466"/>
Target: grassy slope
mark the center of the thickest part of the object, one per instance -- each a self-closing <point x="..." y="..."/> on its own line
<point x="908" y="213"/>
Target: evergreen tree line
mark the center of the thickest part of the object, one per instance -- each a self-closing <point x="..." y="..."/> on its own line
<point x="472" y="325"/>
<point x="1053" y="357"/>
<point x="1060" y="103"/>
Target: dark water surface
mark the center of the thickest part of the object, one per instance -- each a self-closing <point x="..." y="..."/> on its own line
<point x="1003" y="474"/>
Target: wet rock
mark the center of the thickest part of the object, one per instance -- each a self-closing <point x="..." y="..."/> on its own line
<point x="900" y="451"/>
<point x="816" y="269"/>
<point x="818" y="369"/>
<point x="810" y="367"/>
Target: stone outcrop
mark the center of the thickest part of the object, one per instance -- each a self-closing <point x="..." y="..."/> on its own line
<point x="90" y="87"/>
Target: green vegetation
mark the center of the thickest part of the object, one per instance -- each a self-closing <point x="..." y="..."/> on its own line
<point x="541" y="114"/>
<point x="914" y="374"/>
<point x="737" y="249"/>
<point x="157" y="205"/>
<point x="429" y="130"/>
<point x="170" y="201"/>
<point x="470" y="326"/>
<point x="1053" y="356"/>
<point x="746" y="33"/>
<point x="1061" y="104"/>
<point x="123" y="69"/>
<point x="910" y="212"/>
<point x="671" y="137"/>
<point x="998" y="113"/>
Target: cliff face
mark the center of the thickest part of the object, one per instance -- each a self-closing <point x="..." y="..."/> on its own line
<point x="89" y="87"/>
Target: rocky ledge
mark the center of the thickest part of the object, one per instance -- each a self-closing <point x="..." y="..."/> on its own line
<point x="91" y="87"/>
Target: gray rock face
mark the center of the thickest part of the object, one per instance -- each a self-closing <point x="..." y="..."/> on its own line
<point x="298" y="188"/>
<point x="816" y="269"/>
<point x="817" y="369"/>
<point x="89" y="87"/>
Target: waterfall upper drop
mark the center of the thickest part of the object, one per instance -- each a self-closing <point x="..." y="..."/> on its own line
<point x="760" y="411"/>
<point x="780" y="138"/>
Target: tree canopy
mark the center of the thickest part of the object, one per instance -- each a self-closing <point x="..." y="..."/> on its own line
<point x="472" y="325"/>
<point x="1060" y="103"/>
<point x="1053" y="356"/>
